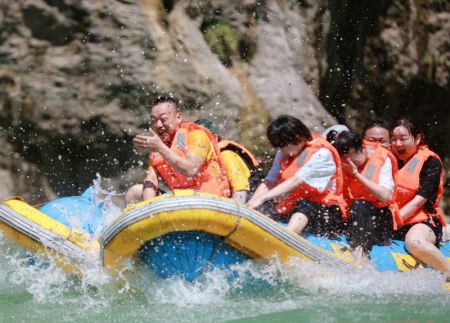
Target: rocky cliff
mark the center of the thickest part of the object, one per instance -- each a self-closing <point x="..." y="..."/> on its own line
<point x="76" y="76"/>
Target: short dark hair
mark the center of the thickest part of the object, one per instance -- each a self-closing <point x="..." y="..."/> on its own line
<point x="413" y="128"/>
<point x="382" y="123"/>
<point x="347" y="140"/>
<point x="286" y="130"/>
<point x="331" y="135"/>
<point x="166" y="99"/>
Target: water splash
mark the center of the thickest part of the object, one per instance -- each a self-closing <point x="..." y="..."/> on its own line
<point x="249" y="289"/>
<point x="110" y="210"/>
<point x="285" y="280"/>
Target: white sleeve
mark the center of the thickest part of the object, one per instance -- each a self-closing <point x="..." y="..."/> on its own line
<point x="317" y="172"/>
<point x="386" y="179"/>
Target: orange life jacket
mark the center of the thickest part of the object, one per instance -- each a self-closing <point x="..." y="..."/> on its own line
<point x="211" y="177"/>
<point x="355" y="190"/>
<point x="290" y="166"/>
<point x="408" y="186"/>
<point x="243" y="152"/>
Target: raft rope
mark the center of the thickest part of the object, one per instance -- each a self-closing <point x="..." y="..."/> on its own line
<point x="238" y="221"/>
<point x="217" y="204"/>
<point x="208" y="264"/>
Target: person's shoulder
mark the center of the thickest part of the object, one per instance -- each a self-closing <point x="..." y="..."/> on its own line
<point x="432" y="162"/>
<point x="230" y="156"/>
<point x="197" y="132"/>
<point x="321" y="157"/>
<point x="229" y="153"/>
<point x="198" y="135"/>
<point x="323" y="152"/>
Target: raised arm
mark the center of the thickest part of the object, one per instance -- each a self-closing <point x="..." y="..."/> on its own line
<point x="188" y="165"/>
<point x="380" y="192"/>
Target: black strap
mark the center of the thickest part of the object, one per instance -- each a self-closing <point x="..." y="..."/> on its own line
<point x="150" y="184"/>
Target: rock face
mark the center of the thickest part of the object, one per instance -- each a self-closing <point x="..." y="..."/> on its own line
<point x="391" y="59"/>
<point x="77" y="76"/>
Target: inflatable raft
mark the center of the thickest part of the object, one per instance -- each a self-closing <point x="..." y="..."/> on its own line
<point x="184" y="234"/>
<point x="49" y="231"/>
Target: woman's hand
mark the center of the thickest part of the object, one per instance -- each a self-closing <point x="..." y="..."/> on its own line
<point x="255" y="201"/>
<point x="349" y="167"/>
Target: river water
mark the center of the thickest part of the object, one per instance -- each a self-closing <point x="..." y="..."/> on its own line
<point x="35" y="289"/>
<point x="32" y="289"/>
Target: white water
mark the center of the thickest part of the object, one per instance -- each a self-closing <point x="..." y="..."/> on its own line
<point x="33" y="288"/>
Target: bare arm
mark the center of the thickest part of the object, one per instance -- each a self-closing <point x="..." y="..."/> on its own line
<point x="149" y="192"/>
<point x="187" y="166"/>
<point x="265" y="194"/>
<point x="285" y="187"/>
<point x="412" y="206"/>
<point x="259" y="192"/>
<point x="266" y="185"/>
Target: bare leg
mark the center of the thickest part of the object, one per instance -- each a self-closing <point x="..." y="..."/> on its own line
<point x="419" y="241"/>
<point x="297" y="222"/>
<point x="134" y="194"/>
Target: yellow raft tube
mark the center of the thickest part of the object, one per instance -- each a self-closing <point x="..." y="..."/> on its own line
<point x="38" y="232"/>
<point x="186" y="231"/>
<point x="241" y="229"/>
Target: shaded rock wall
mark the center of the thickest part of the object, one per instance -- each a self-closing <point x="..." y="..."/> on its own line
<point x="391" y="59"/>
<point x="76" y="78"/>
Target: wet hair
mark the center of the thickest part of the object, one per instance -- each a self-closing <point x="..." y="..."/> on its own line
<point x="412" y="127"/>
<point x="331" y="132"/>
<point x="347" y="140"/>
<point x="331" y="136"/>
<point x="166" y="99"/>
<point x="286" y="130"/>
<point x="382" y="123"/>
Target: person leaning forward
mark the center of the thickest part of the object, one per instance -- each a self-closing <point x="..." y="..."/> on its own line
<point x="307" y="170"/>
<point x="183" y="154"/>
<point x="241" y="165"/>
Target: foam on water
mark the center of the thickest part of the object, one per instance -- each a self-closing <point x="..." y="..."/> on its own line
<point x="252" y="288"/>
<point x="39" y="277"/>
<point x="306" y="278"/>
<point x="248" y="289"/>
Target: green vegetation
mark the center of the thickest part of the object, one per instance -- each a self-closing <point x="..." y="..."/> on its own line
<point x="401" y="4"/>
<point x="223" y="41"/>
